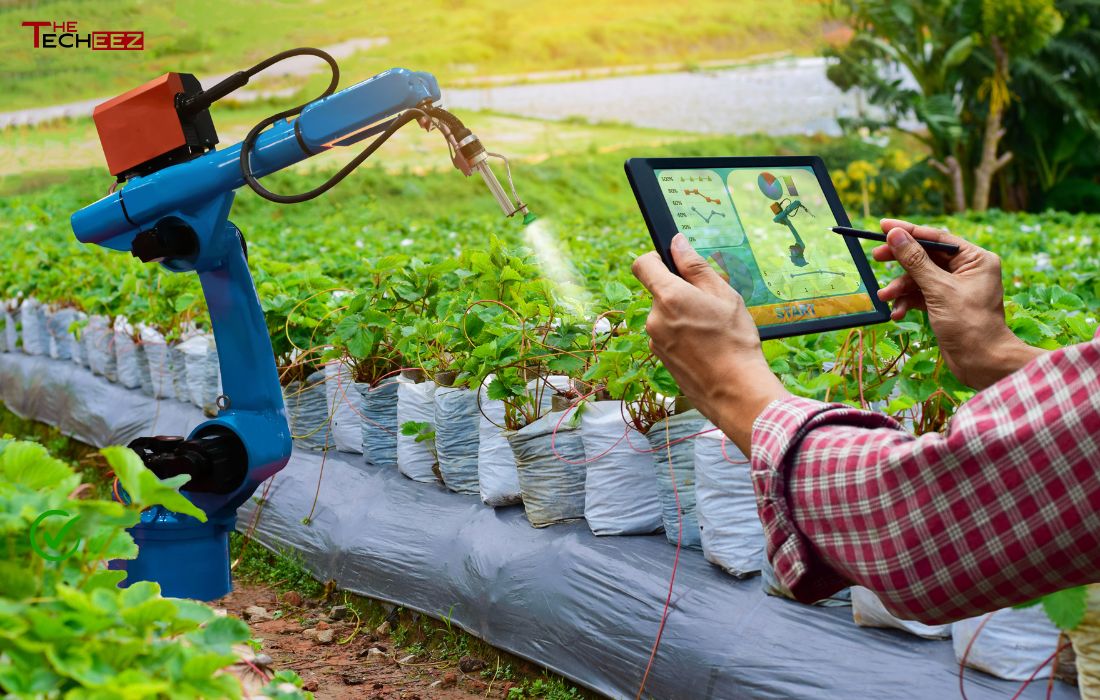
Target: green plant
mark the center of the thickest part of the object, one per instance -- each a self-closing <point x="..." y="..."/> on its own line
<point x="294" y="298"/>
<point x="423" y="432"/>
<point x="546" y="688"/>
<point x="65" y="625"/>
<point x="624" y="364"/>
<point x="520" y="332"/>
<point x="400" y="634"/>
<point x="1053" y="125"/>
<point x="364" y="333"/>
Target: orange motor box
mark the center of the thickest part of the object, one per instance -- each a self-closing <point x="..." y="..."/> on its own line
<point x="142" y="130"/>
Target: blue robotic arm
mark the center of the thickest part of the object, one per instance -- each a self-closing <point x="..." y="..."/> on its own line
<point x="178" y="215"/>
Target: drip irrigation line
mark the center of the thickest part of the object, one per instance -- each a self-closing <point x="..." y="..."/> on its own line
<point x="966" y="654"/>
<point x="1058" y="650"/>
<point x="672" y="577"/>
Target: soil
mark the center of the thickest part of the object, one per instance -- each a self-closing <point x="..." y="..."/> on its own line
<point x="336" y="671"/>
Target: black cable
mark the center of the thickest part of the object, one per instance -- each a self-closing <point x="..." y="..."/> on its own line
<point x="229" y="84"/>
<point x="204" y="99"/>
<point x="394" y="124"/>
<point x="249" y="141"/>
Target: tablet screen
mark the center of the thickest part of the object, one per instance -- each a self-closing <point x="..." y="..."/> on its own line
<point x="765" y="230"/>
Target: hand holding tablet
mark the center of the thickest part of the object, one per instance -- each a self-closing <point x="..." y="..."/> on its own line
<point x="763" y="226"/>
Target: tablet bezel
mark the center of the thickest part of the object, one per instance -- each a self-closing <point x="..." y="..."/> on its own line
<point x="662" y="228"/>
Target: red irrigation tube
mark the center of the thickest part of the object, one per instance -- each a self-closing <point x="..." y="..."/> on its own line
<point x="679" y="525"/>
<point x="966" y="654"/>
<point x="675" y="566"/>
<point x="1041" y="666"/>
<point x="668" y="444"/>
<point x="557" y="427"/>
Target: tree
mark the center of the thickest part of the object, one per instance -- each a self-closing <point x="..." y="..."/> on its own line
<point x="909" y="57"/>
<point x="948" y="64"/>
<point x="1010" y="29"/>
<point x="1053" y="123"/>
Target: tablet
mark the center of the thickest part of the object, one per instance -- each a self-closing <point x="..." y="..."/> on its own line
<point x="763" y="224"/>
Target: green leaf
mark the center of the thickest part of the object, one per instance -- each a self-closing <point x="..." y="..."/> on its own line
<point x="1066" y="608"/>
<point x="183" y="302"/>
<point x="149" y="613"/>
<point x="222" y="633"/>
<point x="203" y="666"/>
<point x="917" y="390"/>
<point x="498" y="391"/>
<point x="958" y="52"/>
<point x="107" y="579"/>
<point x="139" y="592"/>
<point x="14" y="581"/>
<point x="1061" y="299"/>
<point x="663" y="382"/>
<point x="29" y="464"/>
<point x="900" y="404"/>
<point x="509" y="274"/>
<point x="143" y="486"/>
<point x="616" y="293"/>
<point x="566" y="364"/>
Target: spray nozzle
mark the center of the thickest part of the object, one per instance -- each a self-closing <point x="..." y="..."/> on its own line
<point x="469" y="156"/>
<point x="477" y="159"/>
<point x="509" y="207"/>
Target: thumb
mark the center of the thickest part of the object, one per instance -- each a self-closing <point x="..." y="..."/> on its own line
<point x="911" y="256"/>
<point x="693" y="267"/>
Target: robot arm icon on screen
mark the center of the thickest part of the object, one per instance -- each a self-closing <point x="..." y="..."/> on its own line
<point x="784" y="209"/>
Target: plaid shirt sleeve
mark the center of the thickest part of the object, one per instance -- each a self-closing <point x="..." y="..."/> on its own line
<point x="1000" y="509"/>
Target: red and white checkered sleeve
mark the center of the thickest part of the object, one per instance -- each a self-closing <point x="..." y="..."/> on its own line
<point x="1002" y="508"/>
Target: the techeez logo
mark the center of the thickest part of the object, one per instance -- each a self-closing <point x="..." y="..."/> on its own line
<point x="64" y="35"/>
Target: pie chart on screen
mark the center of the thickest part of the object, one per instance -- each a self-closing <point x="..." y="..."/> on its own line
<point x="770" y="185"/>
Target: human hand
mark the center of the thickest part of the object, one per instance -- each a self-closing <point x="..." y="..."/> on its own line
<point x="702" y="331"/>
<point x="964" y="297"/>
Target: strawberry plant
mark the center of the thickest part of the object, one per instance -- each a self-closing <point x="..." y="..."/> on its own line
<point x="426" y="289"/>
<point x="363" y="334"/>
<point x="625" y="366"/>
<point x="66" y="628"/>
<point x="295" y="304"/>
<point x="520" y="333"/>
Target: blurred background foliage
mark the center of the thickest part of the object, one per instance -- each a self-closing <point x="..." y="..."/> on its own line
<point x="1002" y="94"/>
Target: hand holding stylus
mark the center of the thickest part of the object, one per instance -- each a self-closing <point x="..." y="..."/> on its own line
<point x="940" y="246"/>
<point x="964" y="298"/>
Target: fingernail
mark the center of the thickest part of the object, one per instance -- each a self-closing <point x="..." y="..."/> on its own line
<point x="898" y="238"/>
<point x="680" y="242"/>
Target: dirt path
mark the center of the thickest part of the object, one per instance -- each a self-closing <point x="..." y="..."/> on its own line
<point x="369" y="665"/>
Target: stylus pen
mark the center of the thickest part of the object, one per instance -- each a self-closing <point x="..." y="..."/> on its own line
<point x="949" y="248"/>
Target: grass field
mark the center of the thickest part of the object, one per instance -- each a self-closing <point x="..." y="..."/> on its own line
<point x="31" y="154"/>
<point x="451" y="38"/>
